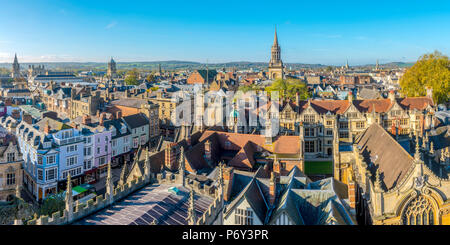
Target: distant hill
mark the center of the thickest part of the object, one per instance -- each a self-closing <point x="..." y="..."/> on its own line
<point x="174" y="65"/>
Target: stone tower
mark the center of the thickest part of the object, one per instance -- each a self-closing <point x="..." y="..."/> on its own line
<point x="15" y="68"/>
<point x="112" y="70"/>
<point x="275" y="64"/>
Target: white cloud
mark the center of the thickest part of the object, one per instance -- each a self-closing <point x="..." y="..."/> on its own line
<point x="111" y="25"/>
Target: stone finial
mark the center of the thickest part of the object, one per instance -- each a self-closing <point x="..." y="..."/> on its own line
<point x="417" y="154"/>
<point x="192" y="218"/>
<point x="18" y="191"/>
<point x="147" y="170"/>
<point x="442" y="159"/>
<point x="431" y="148"/>
<point x="109" y="185"/>
<point x="69" y="199"/>
<point x="122" y="180"/>
<point x="220" y="180"/>
<point x="378" y="180"/>
<point x="182" y="167"/>
<point x="424" y="141"/>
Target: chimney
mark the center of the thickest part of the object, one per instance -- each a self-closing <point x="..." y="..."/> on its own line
<point x="170" y="156"/>
<point x="208" y="151"/>
<point x="47" y="128"/>
<point x="118" y="114"/>
<point x="276" y="166"/>
<point x="352" y="193"/>
<point x="102" y="118"/>
<point x="15" y="114"/>
<point x="27" y="118"/>
<point x="350" y="96"/>
<point x="86" y="119"/>
<point x="391" y="96"/>
<point x="272" y="188"/>
<point x="228" y="175"/>
<point x="297" y="98"/>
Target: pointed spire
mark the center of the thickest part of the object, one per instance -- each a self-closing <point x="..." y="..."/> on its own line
<point x="424" y="142"/>
<point x="192" y="218"/>
<point x="109" y="185"/>
<point x="18" y="191"/>
<point x="275" y="39"/>
<point x="147" y="170"/>
<point x="182" y="167"/>
<point x="417" y="154"/>
<point x="122" y="175"/>
<point x="69" y="198"/>
<point x="220" y="180"/>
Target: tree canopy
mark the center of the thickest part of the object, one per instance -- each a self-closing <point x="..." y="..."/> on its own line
<point x="131" y="77"/>
<point x="250" y="87"/>
<point x="288" y="88"/>
<point x="431" y="70"/>
<point x="52" y="204"/>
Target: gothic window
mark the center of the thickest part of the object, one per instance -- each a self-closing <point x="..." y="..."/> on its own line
<point x="419" y="212"/>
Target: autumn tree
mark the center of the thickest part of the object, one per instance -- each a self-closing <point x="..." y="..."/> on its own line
<point x="431" y="70"/>
<point x="131" y="77"/>
<point x="288" y="88"/>
<point x="150" y="77"/>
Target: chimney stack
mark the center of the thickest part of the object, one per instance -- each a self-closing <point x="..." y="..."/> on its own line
<point x="170" y="156"/>
<point x="208" y="150"/>
<point x="350" y="96"/>
<point x="102" y="118"/>
<point x="272" y="188"/>
<point x="86" y="120"/>
<point x="47" y="128"/>
<point x="27" y="118"/>
<point x="352" y="193"/>
<point x="391" y="96"/>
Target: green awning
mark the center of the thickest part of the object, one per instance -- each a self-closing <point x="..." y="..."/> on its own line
<point x="78" y="189"/>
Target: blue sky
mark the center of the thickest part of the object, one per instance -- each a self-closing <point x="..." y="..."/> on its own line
<point x="326" y="32"/>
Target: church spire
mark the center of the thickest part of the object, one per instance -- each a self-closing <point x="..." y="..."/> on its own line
<point x="275" y="39"/>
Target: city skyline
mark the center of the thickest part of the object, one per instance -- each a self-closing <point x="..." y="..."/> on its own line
<point x="334" y="33"/>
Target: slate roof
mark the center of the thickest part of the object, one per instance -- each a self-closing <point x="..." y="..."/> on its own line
<point x="129" y="102"/>
<point x="313" y="203"/>
<point x="136" y="120"/>
<point x="380" y="149"/>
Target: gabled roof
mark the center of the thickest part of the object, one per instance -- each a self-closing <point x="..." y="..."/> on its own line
<point x="385" y="153"/>
<point x="136" y="120"/>
<point x="253" y="194"/>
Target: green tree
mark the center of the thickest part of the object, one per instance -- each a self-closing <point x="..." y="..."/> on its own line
<point x="250" y="87"/>
<point x="150" y="77"/>
<point x="131" y="77"/>
<point x="431" y="70"/>
<point x="288" y="88"/>
<point x="52" y="204"/>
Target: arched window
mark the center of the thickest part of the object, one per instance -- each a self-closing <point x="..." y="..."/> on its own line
<point x="419" y="211"/>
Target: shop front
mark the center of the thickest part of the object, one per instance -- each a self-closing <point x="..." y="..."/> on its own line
<point x="90" y="176"/>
